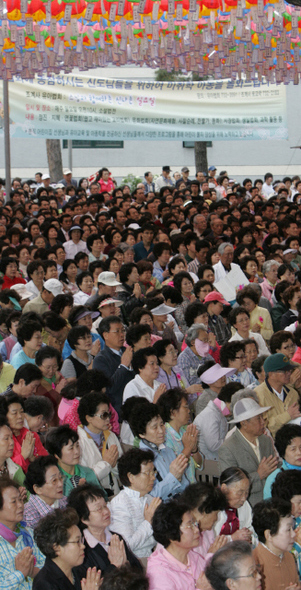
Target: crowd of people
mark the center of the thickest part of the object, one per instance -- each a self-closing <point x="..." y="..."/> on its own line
<point x="125" y="371"/>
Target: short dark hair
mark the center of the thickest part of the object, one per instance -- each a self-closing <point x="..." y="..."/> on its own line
<point x="140" y="357"/>
<point x="25" y="331"/>
<point x="82" y="276"/>
<point x="78" y="500"/>
<point x="60" y="302"/>
<point x="53" y="530"/>
<point x="286" y="485"/>
<point x="37" y="405"/>
<point x="59" y="437"/>
<point x="36" y="473"/>
<point x="75" y="333"/>
<point x="28" y="372"/>
<point x="91" y="380"/>
<point x="139" y="420"/>
<point x="225" y="563"/>
<point x="279" y="338"/>
<point x="6" y="482"/>
<point x="47" y="352"/>
<point x="160" y="347"/>
<point x="169" y="401"/>
<point x="229" y="351"/>
<point x="135" y="332"/>
<point x="33" y="266"/>
<point x="8" y="399"/>
<point x="88" y="405"/>
<point x="126" y="270"/>
<point x="267" y="515"/>
<point x="204" y="496"/>
<point x="131" y="462"/>
<point x="249" y="292"/>
<point x="167" y="520"/>
<point x="125" y="578"/>
<point x="236" y="311"/>
<point x="284" y="437"/>
<point x="179" y="277"/>
<point x="192" y="311"/>
<point x="105" y="324"/>
<point x="171" y="293"/>
<point x="137" y="314"/>
<point x="257" y="364"/>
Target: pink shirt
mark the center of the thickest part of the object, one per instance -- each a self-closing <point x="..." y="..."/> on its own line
<point x="165" y="572"/>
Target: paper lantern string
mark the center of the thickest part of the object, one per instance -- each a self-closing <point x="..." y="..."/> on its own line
<point x="217" y="38"/>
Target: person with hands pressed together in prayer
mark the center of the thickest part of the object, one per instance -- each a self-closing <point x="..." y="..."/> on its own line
<point x="7" y="467"/>
<point x="181" y="436"/>
<point x="20" y="558"/>
<point x="169" y="373"/>
<point x="99" y="446"/>
<point x="133" y="508"/>
<point x="248" y="447"/>
<point x="27" y="445"/>
<point x="149" y="427"/>
<point x="103" y="549"/>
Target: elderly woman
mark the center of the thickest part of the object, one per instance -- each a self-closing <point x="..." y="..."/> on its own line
<point x="44" y="481"/>
<point x="7" y="467"/>
<point x="233" y="568"/>
<point x="291" y="297"/>
<point x="273" y="523"/>
<point x="48" y="359"/>
<point x="59" y="539"/>
<point x="270" y="269"/>
<point x="27" y="445"/>
<point x="184" y="284"/>
<point x="20" y="558"/>
<point x="213" y="378"/>
<point x="99" y="447"/>
<point x="233" y="356"/>
<point x="236" y="518"/>
<point x="133" y="508"/>
<point x="30" y="338"/>
<point x="205" y="502"/>
<point x="147" y="424"/>
<point x="169" y="373"/>
<point x="260" y="319"/>
<point x="212" y="424"/>
<point x="173" y="565"/>
<point x="196" y="353"/>
<point x="181" y="437"/>
<point x="104" y="550"/>
<point x="288" y="445"/>
<point x="239" y="318"/>
<point x="63" y="444"/>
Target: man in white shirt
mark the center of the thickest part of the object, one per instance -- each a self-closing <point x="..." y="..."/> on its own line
<point x="164" y="179"/>
<point x="223" y="267"/>
<point x="267" y="189"/>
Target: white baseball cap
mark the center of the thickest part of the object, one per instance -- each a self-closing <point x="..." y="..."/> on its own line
<point x="162" y="309"/>
<point x="108" y="278"/>
<point x="54" y="286"/>
<point x="24" y="293"/>
<point x="67" y="171"/>
<point x="45" y="176"/>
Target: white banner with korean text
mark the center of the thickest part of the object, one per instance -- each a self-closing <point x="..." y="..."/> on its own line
<point x="85" y="107"/>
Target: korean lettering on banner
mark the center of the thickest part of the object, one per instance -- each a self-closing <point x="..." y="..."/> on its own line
<point x="80" y="105"/>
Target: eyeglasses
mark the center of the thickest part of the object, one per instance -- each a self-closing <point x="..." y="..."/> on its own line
<point x="257" y="570"/>
<point x="121" y="331"/>
<point x="192" y="525"/>
<point x="79" y="542"/>
<point x="243" y="356"/>
<point x="103" y="416"/>
<point x="151" y="473"/>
